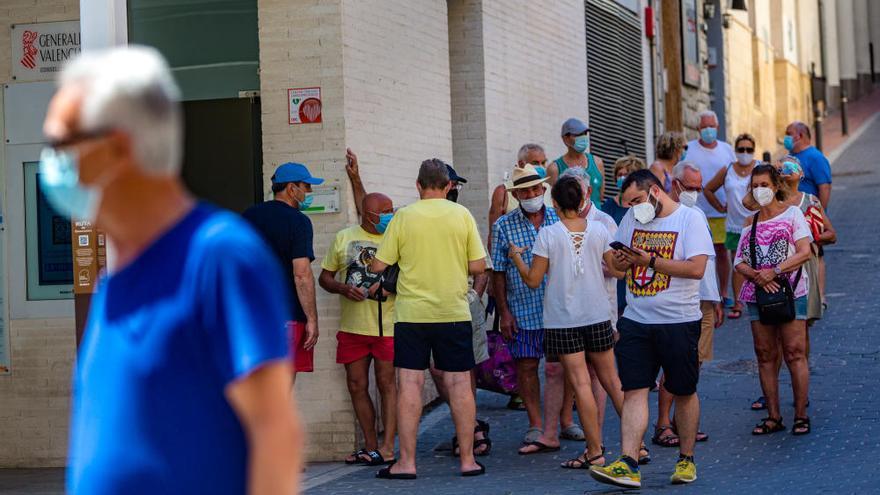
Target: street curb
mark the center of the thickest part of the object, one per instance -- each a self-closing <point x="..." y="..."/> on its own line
<point x="834" y="155"/>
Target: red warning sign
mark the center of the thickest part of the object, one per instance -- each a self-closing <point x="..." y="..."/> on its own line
<point x="304" y="105"/>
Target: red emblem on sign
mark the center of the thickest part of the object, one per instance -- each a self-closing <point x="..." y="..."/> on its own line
<point x="29" y="52"/>
<point x="310" y="111"/>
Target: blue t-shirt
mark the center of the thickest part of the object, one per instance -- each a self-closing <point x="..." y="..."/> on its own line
<point x="203" y="306"/>
<point x="289" y="233"/>
<point x="817" y="170"/>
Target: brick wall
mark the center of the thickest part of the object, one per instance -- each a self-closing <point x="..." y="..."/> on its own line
<point x="35" y="397"/>
<point x="385" y="90"/>
<point x="513" y="83"/>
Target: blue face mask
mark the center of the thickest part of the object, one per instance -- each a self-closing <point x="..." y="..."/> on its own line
<point x="684" y="155"/>
<point x="59" y="181"/>
<point x="581" y="143"/>
<point x="788" y="142"/>
<point x="306" y="202"/>
<point x="384" y="220"/>
<point x="708" y="134"/>
<point x="542" y="172"/>
<point x="620" y="182"/>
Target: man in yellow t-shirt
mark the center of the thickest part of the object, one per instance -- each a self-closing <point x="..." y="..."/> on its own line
<point x="436" y="244"/>
<point x="361" y="338"/>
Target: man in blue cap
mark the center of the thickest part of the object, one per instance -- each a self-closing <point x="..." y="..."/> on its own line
<point x="289" y="232"/>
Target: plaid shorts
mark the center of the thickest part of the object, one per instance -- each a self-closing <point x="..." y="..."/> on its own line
<point x="591" y="338"/>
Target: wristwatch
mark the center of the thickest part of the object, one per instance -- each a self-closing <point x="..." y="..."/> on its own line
<point x="653" y="260"/>
<point x="776" y="270"/>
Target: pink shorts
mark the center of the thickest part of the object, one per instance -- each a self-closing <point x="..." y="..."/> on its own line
<point x="303" y="360"/>
<point x="351" y="347"/>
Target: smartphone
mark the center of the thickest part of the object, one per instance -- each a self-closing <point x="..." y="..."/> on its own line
<point x="619" y="246"/>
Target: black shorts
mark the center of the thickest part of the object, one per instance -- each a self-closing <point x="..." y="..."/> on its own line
<point x="451" y="344"/>
<point x="643" y="349"/>
<point x="590" y="338"/>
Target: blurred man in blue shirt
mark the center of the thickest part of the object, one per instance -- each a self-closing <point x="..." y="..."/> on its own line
<point x="182" y="384"/>
<point x="817" y="170"/>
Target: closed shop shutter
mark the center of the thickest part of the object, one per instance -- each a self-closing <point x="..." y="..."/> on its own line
<point x="616" y="84"/>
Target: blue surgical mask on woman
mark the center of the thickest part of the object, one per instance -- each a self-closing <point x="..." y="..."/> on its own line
<point x="708" y="134"/>
<point x="581" y="143"/>
<point x="59" y="181"/>
<point x="384" y="220"/>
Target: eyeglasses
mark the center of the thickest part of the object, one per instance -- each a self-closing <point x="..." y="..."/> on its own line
<point x="78" y="138"/>
<point x="743" y="149"/>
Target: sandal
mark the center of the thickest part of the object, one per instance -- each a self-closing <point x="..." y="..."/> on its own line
<point x="760" y="404"/>
<point x="482" y="427"/>
<point x="646" y="457"/>
<point x="670" y="440"/>
<point x="542" y="448"/>
<point x="702" y="437"/>
<point x="386" y="474"/>
<point x="572" y="432"/>
<point x="516" y="403"/>
<point x="583" y="462"/>
<point x="734" y="313"/>
<point x="532" y="434"/>
<point x="763" y="428"/>
<point x="801" y="426"/>
<point x="356" y="457"/>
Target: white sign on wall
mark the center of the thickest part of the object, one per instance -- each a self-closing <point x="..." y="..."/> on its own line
<point x="39" y="51"/>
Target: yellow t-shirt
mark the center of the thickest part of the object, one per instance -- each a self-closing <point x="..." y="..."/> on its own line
<point x="432" y="240"/>
<point x="350" y="256"/>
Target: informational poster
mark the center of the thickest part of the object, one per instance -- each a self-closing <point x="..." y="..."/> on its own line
<point x="690" y="43"/>
<point x="40" y="50"/>
<point x="304" y="105"/>
<point x="89" y="256"/>
<point x="326" y="200"/>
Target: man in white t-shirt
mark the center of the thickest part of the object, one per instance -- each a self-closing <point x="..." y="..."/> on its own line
<point x="686" y="187"/>
<point x="665" y="251"/>
<point x="711" y="155"/>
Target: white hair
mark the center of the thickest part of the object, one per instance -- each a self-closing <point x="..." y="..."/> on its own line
<point x="706" y="114"/>
<point x="525" y="149"/>
<point x="680" y="167"/>
<point x="580" y="174"/>
<point x="131" y="89"/>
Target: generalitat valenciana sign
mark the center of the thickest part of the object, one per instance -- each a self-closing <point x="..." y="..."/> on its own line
<point x="39" y="51"/>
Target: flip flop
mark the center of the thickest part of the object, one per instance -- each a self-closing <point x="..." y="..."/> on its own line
<point x="734" y="314"/>
<point x="376" y="459"/>
<point x="532" y="434"/>
<point x="572" y="432"/>
<point x="357" y="457"/>
<point x="475" y="472"/>
<point x="760" y="404"/>
<point x="542" y="448"/>
<point x="386" y="474"/>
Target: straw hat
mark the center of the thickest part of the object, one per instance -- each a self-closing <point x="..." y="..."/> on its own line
<point x="525" y="177"/>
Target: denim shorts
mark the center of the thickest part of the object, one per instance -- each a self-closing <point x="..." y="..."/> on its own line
<point x="800" y="309"/>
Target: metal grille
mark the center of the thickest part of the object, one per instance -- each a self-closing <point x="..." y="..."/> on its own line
<point x="616" y="84"/>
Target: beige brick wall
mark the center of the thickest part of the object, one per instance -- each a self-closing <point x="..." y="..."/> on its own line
<point x="35" y="397"/>
<point x="513" y="82"/>
<point x="385" y="90"/>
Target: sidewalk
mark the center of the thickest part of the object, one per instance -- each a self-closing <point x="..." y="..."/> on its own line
<point x="858" y="113"/>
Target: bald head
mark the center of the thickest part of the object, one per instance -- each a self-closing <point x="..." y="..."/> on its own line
<point x="377" y="203"/>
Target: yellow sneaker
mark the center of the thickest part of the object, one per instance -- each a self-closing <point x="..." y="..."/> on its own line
<point x="685" y="472"/>
<point x="617" y="473"/>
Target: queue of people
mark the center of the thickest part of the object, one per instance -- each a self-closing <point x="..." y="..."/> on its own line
<point x="608" y="293"/>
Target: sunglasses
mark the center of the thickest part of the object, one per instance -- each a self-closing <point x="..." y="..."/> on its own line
<point x="743" y="149"/>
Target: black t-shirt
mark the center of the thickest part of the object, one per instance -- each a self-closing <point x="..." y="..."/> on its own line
<point x="289" y="233"/>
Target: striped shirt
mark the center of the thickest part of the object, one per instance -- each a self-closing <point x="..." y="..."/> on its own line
<point x="527" y="305"/>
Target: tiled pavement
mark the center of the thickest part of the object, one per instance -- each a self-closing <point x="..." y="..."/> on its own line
<point x="836" y="458"/>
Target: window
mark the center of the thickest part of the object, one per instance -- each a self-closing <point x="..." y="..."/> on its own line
<point x="47" y="243"/>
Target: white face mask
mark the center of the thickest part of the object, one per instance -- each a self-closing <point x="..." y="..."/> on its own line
<point x="745" y="158"/>
<point x="688" y="198"/>
<point x="532" y="205"/>
<point x="763" y="195"/>
<point x="645" y="212"/>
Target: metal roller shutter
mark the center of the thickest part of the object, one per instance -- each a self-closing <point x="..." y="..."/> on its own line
<point x="616" y="84"/>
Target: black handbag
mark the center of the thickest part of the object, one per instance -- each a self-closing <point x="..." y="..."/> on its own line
<point x="777" y="307"/>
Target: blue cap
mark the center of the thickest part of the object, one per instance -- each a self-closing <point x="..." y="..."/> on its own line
<point x="574" y="126"/>
<point x="294" y="172"/>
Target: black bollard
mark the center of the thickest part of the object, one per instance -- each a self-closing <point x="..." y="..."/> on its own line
<point x="844" y="125"/>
